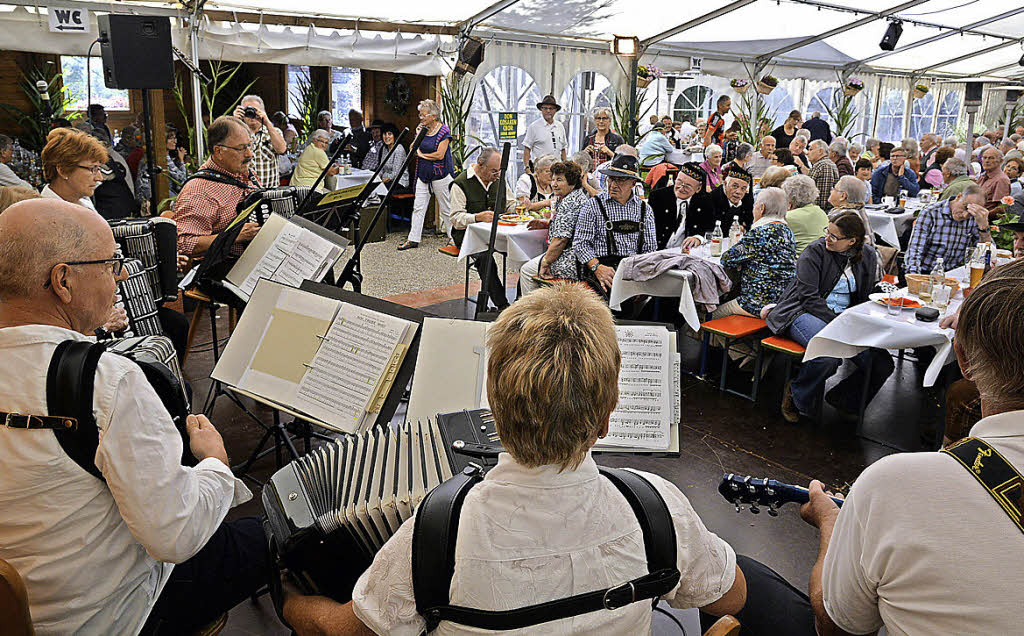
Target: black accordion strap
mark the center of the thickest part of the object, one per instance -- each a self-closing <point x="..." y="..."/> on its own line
<point x="434" y="546"/>
<point x="70" y="381"/>
<point x="994" y="473"/>
<point x="208" y="174"/>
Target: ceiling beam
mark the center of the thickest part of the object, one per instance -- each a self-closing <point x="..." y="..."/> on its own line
<point x="936" y="38"/>
<point x="329" y="23"/>
<point x="499" y="6"/>
<point x="686" y="26"/>
<point x="761" y="59"/>
<point x="994" y="47"/>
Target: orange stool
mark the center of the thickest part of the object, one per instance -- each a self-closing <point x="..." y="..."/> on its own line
<point x="732" y="329"/>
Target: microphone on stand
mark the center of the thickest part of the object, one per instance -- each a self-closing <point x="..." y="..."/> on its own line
<point x="44" y="95"/>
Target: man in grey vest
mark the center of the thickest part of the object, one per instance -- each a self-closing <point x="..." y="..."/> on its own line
<point x="473" y="197"/>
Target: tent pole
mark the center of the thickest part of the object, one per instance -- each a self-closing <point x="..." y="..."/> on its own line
<point x="197" y="102"/>
<point x="631" y="132"/>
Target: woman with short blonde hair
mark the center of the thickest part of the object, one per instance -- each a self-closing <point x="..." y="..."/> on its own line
<point x="774" y="176"/>
<point x="435" y="170"/>
<point x="9" y="195"/>
<point x="71" y="166"/>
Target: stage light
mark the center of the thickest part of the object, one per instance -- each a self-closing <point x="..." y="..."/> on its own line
<point x="1021" y="60"/>
<point x="625" y="46"/>
<point x="892" y="36"/>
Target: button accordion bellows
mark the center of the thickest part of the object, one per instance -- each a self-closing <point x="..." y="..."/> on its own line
<point x="154" y="243"/>
<point x="135" y="295"/>
<point x="156" y="350"/>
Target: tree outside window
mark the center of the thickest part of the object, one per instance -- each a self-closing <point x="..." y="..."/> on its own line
<point x="72" y="68"/>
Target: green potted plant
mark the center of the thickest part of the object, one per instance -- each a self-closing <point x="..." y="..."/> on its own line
<point x="767" y="84"/>
<point x="739" y="85"/>
<point x="920" y="90"/>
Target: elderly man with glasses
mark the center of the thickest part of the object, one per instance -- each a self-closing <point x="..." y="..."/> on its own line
<point x="267" y="140"/>
<point x="209" y="199"/>
<point x="889" y="178"/>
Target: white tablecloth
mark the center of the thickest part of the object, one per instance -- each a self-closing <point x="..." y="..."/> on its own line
<point x="518" y="242"/>
<point x="890" y="226"/>
<point x="341" y="181"/>
<point x="870" y="325"/>
<point x="674" y="283"/>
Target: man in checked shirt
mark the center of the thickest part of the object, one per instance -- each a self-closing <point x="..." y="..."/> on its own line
<point x="614" y="224"/>
<point x="207" y="205"/>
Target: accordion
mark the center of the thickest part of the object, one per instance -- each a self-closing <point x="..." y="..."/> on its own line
<point x="135" y="295"/>
<point x="282" y="201"/>
<point x="330" y="511"/>
<point x="153" y="242"/>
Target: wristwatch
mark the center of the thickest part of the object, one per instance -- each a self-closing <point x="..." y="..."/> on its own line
<point x="594" y="267"/>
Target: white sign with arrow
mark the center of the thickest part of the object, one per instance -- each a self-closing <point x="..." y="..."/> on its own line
<point x="68" y="20"/>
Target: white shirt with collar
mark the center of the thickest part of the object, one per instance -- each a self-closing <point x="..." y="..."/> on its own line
<point x="458" y="216"/>
<point x="530" y="535"/>
<point x="543" y="138"/>
<point x="95" y="556"/>
<point x="47" y="193"/>
<point x="920" y="547"/>
<point x="676" y="240"/>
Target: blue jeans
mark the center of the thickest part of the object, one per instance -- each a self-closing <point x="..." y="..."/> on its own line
<point x="809" y="383"/>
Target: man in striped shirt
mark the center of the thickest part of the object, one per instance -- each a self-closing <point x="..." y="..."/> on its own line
<point x="207" y="206"/>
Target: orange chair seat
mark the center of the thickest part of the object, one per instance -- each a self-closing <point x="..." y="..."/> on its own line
<point x="783" y="345"/>
<point x="449" y="250"/>
<point x="408" y="195"/>
<point x="195" y="294"/>
<point x="734" y="326"/>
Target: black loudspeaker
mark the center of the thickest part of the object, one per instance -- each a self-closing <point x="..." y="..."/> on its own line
<point x="973" y="92"/>
<point x="471" y="55"/>
<point x="892" y="36"/>
<point x="136" y="51"/>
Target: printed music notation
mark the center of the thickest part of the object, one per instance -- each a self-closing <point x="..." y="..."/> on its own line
<point x="644" y="412"/>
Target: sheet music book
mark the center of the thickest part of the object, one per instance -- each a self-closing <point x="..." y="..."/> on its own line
<point x="649" y="410"/>
<point x="287" y="251"/>
<point x="330" y="361"/>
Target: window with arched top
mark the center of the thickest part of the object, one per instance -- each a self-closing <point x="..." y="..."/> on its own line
<point x="505" y="89"/>
<point x="693" y="104"/>
<point x="585" y="92"/>
<point x="890" y="116"/>
<point x="779" y="102"/>
<point x="821" y="102"/>
<point x="948" y="115"/>
<point x="922" y="116"/>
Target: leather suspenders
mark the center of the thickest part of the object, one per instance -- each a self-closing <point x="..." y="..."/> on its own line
<point x="622" y="227"/>
<point x="994" y="473"/>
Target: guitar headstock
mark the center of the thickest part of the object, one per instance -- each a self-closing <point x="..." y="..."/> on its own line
<point x="757" y="492"/>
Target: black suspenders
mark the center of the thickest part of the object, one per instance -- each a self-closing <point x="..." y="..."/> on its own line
<point x="622" y="227"/>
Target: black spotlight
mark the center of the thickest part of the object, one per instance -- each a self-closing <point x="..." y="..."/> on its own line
<point x="1021" y="61"/>
<point x="892" y="36"/>
<point x="471" y="55"/>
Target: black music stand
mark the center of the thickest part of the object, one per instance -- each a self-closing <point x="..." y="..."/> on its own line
<point x="489" y="264"/>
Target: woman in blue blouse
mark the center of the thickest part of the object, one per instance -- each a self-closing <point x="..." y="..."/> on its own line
<point x="833" y="274"/>
<point x="765" y="257"/>
<point x="434" y="170"/>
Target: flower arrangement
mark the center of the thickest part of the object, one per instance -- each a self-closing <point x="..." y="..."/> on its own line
<point x="853" y="86"/>
<point x="920" y="90"/>
<point x="767" y="84"/>
<point x="646" y="74"/>
<point x="1007" y="200"/>
<point x="739" y="85"/>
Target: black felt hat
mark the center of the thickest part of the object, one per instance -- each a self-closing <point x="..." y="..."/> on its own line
<point x="737" y="172"/>
<point x="624" y="166"/>
<point x="549" y="100"/>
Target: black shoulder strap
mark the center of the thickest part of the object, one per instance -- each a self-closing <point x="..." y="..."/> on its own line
<point x="70" y="380"/>
<point x="207" y="174"/>
<point x="607" y="226"/>
<point x="433" y="559"/>
<point x="533" y="186"/>
<point x="994" y="473"/>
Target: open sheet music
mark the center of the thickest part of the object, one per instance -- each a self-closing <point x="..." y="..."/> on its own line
<point x="286" y="251"/>
<point x="332" y="362"/>
<point x="645" y="420"/>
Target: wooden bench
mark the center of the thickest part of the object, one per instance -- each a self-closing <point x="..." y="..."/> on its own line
<point x="733" y="329"/>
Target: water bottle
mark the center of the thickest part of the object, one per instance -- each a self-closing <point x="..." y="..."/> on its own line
<point x="735" y="231"/>
<point x="939" y="297"/>
<point x="938" y="272"/>
<point x="716" y="239"/>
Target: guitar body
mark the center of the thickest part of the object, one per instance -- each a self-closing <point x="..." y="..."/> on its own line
<point x="760" y="491"/>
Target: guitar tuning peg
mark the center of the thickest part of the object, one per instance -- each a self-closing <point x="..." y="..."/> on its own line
<point x="754" y="509"/>
<point x="773" y="511"/>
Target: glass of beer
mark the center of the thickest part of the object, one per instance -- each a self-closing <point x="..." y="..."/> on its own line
<point x="977" y="271"/>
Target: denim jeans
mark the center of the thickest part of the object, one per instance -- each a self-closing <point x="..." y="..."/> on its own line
<point x="809" y="383"/>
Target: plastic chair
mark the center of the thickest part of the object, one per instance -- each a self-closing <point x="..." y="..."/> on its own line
<point x="733" y="329"/>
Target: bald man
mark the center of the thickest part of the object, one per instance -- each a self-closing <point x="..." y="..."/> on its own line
<point x="97" y="556"/>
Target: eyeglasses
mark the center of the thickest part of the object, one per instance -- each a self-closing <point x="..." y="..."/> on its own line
<point x="116" y="266"/>
<point x="601" y="118"/>
<point x="92" y="169"/>
<point x="242" y="148"/>
<point x="835" y="239"/>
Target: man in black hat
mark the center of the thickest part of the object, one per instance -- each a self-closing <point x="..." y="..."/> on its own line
<point x="731" y="198"/>
<point x="545" y="136"/>
<point x="375" y="153"/>
<point x="671" y="206"/>
<point x="614" y="224"/>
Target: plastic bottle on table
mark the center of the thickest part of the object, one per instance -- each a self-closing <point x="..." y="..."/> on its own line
<point x="735" y="231"/>
<point x="716" y="239"/>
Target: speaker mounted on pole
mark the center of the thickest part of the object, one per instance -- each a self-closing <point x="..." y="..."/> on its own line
<point x="471" y="55"/>
<point x="136" y="51"/>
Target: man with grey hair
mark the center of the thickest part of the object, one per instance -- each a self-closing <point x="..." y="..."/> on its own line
<point x="823" y="171"/>
<point x="955" y="174"/>
<point x="837" y="154"/>
<point x="68" y="533"/>
<point x="744" y="155"/>
<point x="7" y="176"/>
<point x="950" y="141"/>
<point x="819" y="128"/>
<point x="473" y="194"/>
<point x="929" y="144"/>
<point x="267" y="140"/>
<point x="946" y="229"/>
<point x="325" y="121"/>
<point x="762" y="159"/>
<point x="993" y="181"/>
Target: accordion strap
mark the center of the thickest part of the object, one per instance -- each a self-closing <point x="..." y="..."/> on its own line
<point x="433" y="558"/>
<point x="994" y="473"/>
<point x="70" y="381"/>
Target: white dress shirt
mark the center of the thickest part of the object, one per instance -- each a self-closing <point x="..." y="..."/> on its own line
<point x="920" y="547"/>
<point x="530" y="535"/>
<point x="95" y="555"/>
<point x="676" y="240"/>
<point x="543" y="138"/>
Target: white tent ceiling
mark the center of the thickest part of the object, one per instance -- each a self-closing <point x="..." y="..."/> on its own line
<point x="937" y="39"/>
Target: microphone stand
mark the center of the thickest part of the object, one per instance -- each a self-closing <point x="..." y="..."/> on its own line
<point x="351" y="272"/>
<point x="489" y="264"/>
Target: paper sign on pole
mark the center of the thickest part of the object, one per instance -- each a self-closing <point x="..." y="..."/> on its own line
<point x="508" y="126"/>
<point x="68" y="20"/>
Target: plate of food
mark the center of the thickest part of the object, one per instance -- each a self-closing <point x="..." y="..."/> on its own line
<point x="515" y="219"/>
<point x="904" y="302"/>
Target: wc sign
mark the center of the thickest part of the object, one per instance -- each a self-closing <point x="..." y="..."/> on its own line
<point x="68" y="20"/>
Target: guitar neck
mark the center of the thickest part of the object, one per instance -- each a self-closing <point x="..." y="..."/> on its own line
<point x="763" y="492"/>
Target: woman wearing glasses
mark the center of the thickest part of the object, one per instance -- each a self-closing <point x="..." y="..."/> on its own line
<point x="71" y="166"/>
<point x="601" y="143"/>
<point x="833" y="274"/>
